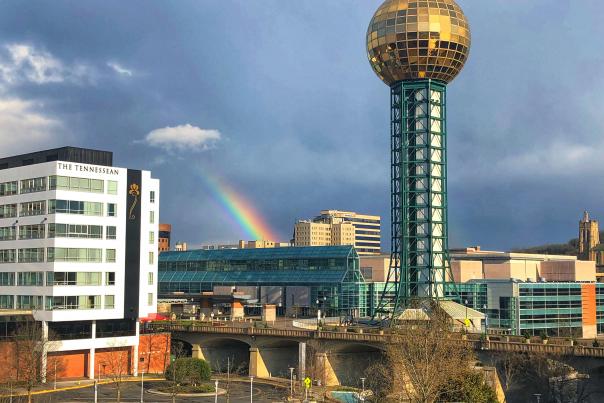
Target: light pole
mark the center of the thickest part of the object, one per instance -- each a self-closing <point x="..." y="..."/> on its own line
<point x="216" y="391"/>
<point x="363" y="389"/>
<point x="142" y="385"/>
<point x="291" y="381"/>
<point x="318" y="314"/>
<point x="251" y="388"/>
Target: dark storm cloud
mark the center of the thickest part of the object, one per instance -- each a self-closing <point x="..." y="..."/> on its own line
<point x="303" y="121"/>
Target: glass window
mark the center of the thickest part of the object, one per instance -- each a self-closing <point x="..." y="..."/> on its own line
<point x="29" y="302"/>
<point x="33" y="185"/>
<point x="75" y="231"/>
<point x="8" y="188"/>
<point x="7" y="302"/>
<point x="112" y="187"/>
<point x="8" y="211"/>
<point x="152" y="196"/>
<point x="111" y="210"/>
<point x="151" y="258"/>
<point x="151" y="237"/>
<point x="110" y="255"/>
<point x="8" y="233"/>
<point x="110" y="278"/>
<point x="8" y="255"/>
<point x="7" y="279"/>
<point x="150" y="299"/>
<point x="31" y="255"/>
<point x="151" y="217"/>
<point x="75" y="184"/>
<point x="150" y="278"/>
<point x="75" y="207"/>
<point x="90" y="255"/>
<point x="30" y="278"/>
<point x="111" y="232"/>
<point x="36" y="231"/>
<point x="74" y="302"/>
<point x="109" y="301"/>
<point x="33" y="208"/>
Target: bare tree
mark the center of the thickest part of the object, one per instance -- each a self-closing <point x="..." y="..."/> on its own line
<point x="31" y="366"/>
<point x="510" y="366"/>
<point x="424" y="356"/>
<point x="116" y="365"/>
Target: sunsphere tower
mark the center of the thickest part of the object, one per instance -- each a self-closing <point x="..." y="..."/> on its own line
<point x="417" y="48"/>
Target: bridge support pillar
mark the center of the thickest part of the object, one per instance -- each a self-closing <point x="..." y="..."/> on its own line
<point x="197" y="352"/>
<point x="325" y="371"/>
<point x="257" y="366"/>
<point x="301" y="360"/>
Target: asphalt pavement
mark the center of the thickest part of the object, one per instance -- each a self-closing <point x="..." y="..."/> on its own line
<point x="131" y="392"/>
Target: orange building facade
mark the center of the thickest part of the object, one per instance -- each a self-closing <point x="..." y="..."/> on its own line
<point x="153" y="358"/>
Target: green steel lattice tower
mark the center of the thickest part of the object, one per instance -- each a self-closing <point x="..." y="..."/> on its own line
<point x="417" y="48"/>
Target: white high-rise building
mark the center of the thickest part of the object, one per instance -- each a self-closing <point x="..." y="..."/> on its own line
<point x="78" y="248"/>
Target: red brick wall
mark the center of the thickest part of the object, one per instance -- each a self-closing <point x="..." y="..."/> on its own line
<point x="69" y="364"/>
<point x="113" y="361"/>
<point x="7" y="361"/>
<point x="154" y="353"/>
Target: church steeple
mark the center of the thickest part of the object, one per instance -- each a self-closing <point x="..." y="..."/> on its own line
<point x="589" y="237"/>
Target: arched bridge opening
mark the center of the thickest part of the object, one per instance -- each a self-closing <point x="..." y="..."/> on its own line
<point x="346" y="364"/>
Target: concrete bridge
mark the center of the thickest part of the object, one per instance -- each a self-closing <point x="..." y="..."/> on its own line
<point x="336" y="358"/>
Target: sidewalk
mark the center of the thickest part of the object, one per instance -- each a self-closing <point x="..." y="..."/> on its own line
<point x="49" y="386"/>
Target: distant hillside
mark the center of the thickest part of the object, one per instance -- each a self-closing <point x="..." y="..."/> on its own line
<point x="570" y="248"/>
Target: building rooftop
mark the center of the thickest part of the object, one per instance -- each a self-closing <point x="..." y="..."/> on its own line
<point x="69" y="154"/>
<point x="308" y="252"/>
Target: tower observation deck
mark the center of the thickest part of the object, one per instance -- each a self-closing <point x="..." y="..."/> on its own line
<point x="417" y="48"/>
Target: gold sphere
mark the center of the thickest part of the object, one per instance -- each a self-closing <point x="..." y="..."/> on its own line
<point x="414" y="39"/>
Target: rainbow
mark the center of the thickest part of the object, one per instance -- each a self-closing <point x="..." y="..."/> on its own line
<point x="240" y="210"/>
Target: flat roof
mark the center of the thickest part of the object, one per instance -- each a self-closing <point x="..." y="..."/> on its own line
<point x="304" y="252"/>
<point x="492" y="255"/>
<point x="68" y="154"/>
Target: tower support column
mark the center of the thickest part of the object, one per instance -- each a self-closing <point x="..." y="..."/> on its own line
<point x="419" y="259"/>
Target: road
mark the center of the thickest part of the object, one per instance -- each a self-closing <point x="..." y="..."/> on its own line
<point x="240" y="393"/>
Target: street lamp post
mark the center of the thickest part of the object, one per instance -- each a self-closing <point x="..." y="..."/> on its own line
<point x="363" y="389"/>
<point x="251" y="389"/>
<point x="142" y="386"/>
<point x="216" y="391"/>
<point x="291" y="381"/>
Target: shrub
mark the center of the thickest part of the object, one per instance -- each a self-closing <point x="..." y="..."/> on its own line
<point x="188" y="371"/>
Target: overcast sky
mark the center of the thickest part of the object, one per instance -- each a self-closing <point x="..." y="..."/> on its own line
<point x="276" y="98"/>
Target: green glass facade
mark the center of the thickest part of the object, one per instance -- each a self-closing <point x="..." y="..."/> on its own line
<point x="331" y="274"/>
<point x="552" y="308"/>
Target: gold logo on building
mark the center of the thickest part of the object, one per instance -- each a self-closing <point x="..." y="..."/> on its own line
<point x="134" y="191"/>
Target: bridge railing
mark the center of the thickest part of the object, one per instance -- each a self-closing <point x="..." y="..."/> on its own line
<point x="377" y="338"/>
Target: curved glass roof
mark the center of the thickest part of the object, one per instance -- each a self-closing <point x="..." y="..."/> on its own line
<point x="254" y="277"/>
<point x="307" y="252"/>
